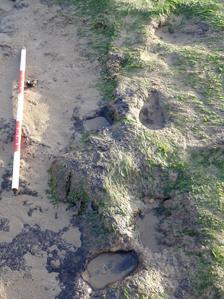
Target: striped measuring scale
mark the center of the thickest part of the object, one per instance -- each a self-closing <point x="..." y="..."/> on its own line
<point x="19" y="119"/>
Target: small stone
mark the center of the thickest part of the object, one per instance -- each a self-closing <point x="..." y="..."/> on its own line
<point x="34" y="250"/>
<point x="52" y="248"/>
<point x="62" y="253"/>
<point x="55" y="264"/>
<point x="89" y="290"/>
<point x="31" y="83"/>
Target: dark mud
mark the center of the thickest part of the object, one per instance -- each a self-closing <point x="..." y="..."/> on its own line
<point x="153" y="114"/>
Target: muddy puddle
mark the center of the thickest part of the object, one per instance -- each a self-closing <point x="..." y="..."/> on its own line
<point x="96" y="123"/>
<point x="108" y="268"/>
<point x="146" y="228"/>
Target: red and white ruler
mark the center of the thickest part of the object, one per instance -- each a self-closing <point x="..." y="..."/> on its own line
<point x="19" y="119"/>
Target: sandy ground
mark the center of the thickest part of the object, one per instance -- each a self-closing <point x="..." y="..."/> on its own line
<point x="32" y="230"/>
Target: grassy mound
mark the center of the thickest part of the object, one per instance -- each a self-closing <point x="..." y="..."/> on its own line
<point x="173" y="47"/>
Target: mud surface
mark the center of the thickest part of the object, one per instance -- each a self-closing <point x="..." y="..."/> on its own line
<point x="38" y="243"/>
<point x="146" y="227"/>
<point x="183" y="31"/>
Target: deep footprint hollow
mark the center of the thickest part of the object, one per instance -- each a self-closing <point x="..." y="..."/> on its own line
<point x="153" y="115"/>
<point x="108" y="268"/>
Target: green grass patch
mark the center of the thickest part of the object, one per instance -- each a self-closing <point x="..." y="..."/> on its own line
<point x="78" y="197"/>
<point x="52" y="189"/>
<point x="194" y="81"/>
